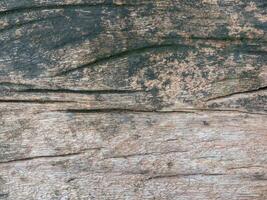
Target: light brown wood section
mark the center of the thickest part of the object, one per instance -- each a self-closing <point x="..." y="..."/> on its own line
<point x="133" y="99"/>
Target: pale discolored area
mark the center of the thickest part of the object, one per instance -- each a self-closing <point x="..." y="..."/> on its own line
<point x="133" y="99"/>
<point x="138" y="155"/>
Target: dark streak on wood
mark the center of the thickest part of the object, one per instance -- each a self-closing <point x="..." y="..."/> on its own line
<point x="238" y="93"/>
<point x="122" y="54"/>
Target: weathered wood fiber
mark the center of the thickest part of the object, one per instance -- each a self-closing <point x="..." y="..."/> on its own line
<point x="136" y="99"/>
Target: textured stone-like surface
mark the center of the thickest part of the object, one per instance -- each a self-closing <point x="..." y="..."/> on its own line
<point x="120" y="99"/>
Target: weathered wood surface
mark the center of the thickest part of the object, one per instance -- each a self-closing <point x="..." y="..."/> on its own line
<point x="161" y="99"/>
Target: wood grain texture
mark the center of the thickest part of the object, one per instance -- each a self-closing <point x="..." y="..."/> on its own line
<point x="133" y="99"/>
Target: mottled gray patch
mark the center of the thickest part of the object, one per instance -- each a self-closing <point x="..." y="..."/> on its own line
<point x="29" y="55"/>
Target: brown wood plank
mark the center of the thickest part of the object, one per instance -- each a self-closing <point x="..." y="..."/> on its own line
<point x="133" y="99"/>
<point x="134" y="155"/>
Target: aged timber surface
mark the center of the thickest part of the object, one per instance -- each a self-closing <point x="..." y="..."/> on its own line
<point x="133" y="99"/>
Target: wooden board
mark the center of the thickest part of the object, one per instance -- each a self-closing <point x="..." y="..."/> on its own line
<point x="133" y="99"/>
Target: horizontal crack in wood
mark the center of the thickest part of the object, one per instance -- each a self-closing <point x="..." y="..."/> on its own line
<point x="183" y="175"/>
<point x="122" y="110"/>
<point x="33" y="101"/>
<point x="26" y="88"/>
<point x="102" y="60"/>
<point x="229" y="110"/>
<point x="119" y="110"/>
<point x="237" y="93"/>
<point x="111" y="91"/>
<point x="244" y="167"/>
<point x="144" y="154"/>
<point x="51" y="156"/>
